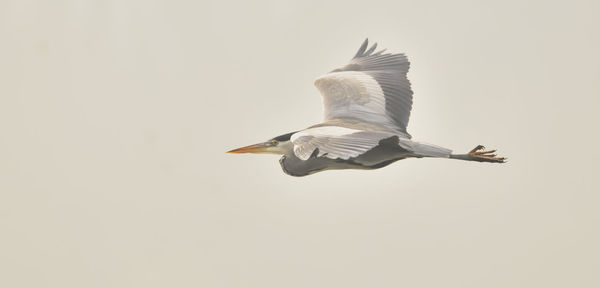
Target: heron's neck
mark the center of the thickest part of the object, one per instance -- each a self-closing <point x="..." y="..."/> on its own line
<point x="284" y="147"/>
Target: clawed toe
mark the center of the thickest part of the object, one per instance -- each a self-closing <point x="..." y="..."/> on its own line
<point x="479" y="147"/>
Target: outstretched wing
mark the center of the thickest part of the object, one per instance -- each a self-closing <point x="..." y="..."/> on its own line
<point x="335" y="142"/>
<point x="372" y="88"/>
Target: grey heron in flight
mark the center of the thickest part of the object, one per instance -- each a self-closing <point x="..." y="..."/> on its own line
<point x="367" y="104"/>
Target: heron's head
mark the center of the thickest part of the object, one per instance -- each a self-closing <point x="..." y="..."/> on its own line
<point x="278" y="145"/>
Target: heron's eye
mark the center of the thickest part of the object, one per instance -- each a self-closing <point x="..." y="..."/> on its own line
<point x="272" y="143"/>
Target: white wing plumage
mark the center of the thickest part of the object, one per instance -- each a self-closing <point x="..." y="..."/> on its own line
<point x="372" y="89"/>
<point x="370" y="93"/>
<point x="335" y="142"/>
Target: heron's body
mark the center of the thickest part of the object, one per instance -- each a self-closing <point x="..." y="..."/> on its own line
<point x="385" y="153"/>
<point x="367" y="106"/>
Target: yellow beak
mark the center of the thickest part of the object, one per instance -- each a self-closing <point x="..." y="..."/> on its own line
<point x="256" y="148"/>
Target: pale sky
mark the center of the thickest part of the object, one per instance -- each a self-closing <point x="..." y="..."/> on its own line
<point x="115" y="117"/>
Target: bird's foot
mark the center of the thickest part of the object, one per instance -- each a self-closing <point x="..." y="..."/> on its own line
<point x="480" y="154"/>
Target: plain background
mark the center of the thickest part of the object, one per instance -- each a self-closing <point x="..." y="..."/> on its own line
<point x="115" y="116"/>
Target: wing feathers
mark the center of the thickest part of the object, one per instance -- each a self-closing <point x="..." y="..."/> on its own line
<point x="369" y="82"/>
<point x="362" y="48"/>
<point x="335" y="142"/>
<point x="372" y="91"/>
<point x="371" y="50"/>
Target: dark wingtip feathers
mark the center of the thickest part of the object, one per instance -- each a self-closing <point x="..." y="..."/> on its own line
<point x="362" y="48"/>
<point x="370" y="50"/>
<point x="364" y="52"/>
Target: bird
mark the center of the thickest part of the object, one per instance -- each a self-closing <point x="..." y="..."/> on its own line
<point x="367" y="105"/>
